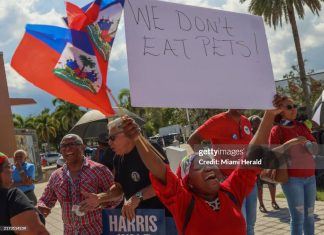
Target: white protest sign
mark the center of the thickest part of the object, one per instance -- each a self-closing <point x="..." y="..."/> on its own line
<point x="193" y="57"/>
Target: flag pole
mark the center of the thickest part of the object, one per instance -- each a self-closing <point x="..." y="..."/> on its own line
<point x="143" y="141"/>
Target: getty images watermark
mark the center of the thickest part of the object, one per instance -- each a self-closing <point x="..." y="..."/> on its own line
<point x="226" y="156"/>
<point x="229" y="162"/>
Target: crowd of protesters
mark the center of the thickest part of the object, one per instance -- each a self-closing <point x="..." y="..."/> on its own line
<point x="128" y="175"/>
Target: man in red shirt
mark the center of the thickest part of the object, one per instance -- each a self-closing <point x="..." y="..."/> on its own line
<point x="229" y="131"/>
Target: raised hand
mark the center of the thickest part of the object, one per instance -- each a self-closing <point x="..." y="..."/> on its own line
<point x="130" y="127"/>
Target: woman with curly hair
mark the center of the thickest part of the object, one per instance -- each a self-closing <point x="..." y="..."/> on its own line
<point x="300" y="190"/>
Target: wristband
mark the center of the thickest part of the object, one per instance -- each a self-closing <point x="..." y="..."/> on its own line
<point x="139" y="195"/>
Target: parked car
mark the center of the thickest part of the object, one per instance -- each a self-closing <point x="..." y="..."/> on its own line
<point x="51" y="157"/>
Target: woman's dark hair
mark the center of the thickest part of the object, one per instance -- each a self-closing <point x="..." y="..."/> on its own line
<point x="279" y="100"/>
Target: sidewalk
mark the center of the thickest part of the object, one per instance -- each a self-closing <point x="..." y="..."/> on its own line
<point x="54" y="222"/>
<point x="275" y="222"/>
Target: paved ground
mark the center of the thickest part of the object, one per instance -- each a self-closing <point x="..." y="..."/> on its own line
<point x="275" y="222"/>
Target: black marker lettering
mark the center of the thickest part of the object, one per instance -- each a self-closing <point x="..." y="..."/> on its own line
<point x="241" y="43"/>
<point x="155" y="18"/>
<point x="183" y="46"/>
<point x="202" y="27"/>
<point x="210" y="26"/>
<point x="147" y="47"/>
<point x="231" y="44"/>
<point x="256" y="44"/>
<point x="205" y="42"/>
<point x="216" y="47"/>
<point x="167" y="47"/>
<point x="181" y="26"/>
<point x="139" y="11"/>
<point x="228" y="28"/>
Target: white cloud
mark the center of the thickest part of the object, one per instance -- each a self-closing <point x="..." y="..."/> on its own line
<point x="14" y="15"/>
<point x="112" y="69"/>
<point x="14" y="80"/>
<point x="313" y="30"/>
<point x="118" y="51"/>
<point x="200" y="3"/>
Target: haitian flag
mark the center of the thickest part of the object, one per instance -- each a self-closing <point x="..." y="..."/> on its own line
<point x="72" y="63"/>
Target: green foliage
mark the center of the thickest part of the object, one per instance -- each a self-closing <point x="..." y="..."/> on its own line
<point x="274" y="12"/>
<point x="161" y="117"/>
<point x="51" y="127"/>
<point x="294" y="86"/>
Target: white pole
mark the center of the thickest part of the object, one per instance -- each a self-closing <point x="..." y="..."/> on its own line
<point x="187" y="111"/>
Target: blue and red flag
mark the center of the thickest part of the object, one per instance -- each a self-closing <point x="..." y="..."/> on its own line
<point x="72" y="63"/>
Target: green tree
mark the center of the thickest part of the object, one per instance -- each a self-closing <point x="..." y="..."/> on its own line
<point x="22" y="122"/>
<point x="46" y="126"/>
<point x="86" y="62"/>
<point x="294" y="84"/>
<point x="274" y="12"/>
<point x="67" y="113"/>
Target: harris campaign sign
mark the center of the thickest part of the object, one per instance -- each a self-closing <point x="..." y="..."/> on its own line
<point x="146" y="222"/>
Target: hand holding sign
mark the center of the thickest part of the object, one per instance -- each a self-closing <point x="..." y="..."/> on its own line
<point x="131" y="128"/>
<point x="129" y="207"/>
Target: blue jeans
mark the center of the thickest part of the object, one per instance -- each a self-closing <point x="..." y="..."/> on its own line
<point x="301" y="194"/>
<point x="249" y="210"/>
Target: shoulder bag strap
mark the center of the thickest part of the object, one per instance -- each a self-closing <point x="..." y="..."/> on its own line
<point x="188" y="215"/>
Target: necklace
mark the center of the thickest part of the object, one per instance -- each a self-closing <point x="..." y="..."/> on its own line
<point x="285" y="122"/>
<point x="215" y="205"/>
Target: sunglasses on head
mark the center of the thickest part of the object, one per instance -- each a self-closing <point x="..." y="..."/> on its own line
<point x="289" y="106"/>
<point x="114" y="136"/>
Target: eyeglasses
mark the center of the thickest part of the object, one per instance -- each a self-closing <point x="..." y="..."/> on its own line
<point x="113" y="136"/>
<point x="72" y="145"/>
<point x="290" y="107"/>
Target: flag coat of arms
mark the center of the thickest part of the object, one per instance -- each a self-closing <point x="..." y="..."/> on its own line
<point x="72" y="63"/>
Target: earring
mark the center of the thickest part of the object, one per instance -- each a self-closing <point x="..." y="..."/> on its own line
<point x="190" y="186"/>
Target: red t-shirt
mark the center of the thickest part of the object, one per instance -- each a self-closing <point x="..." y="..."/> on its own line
<point x="301" y="162"/>
<point x="222" y="129"/>
<point x="227" y="221"/>
<point x="225" y="133"/>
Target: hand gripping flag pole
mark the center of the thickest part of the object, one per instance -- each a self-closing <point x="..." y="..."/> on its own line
<point x="146" y="144"/>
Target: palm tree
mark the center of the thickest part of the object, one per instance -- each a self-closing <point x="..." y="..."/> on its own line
<point x="86" y="62"/>
<point x="21" y="122"/>
<point x="46" y="126"/>
<point x="18" y="120"/>
<point x="67" y="113"/>
<point x="273" y="12"/>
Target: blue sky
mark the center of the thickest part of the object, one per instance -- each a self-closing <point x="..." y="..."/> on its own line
<point x="15" y="14"/>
